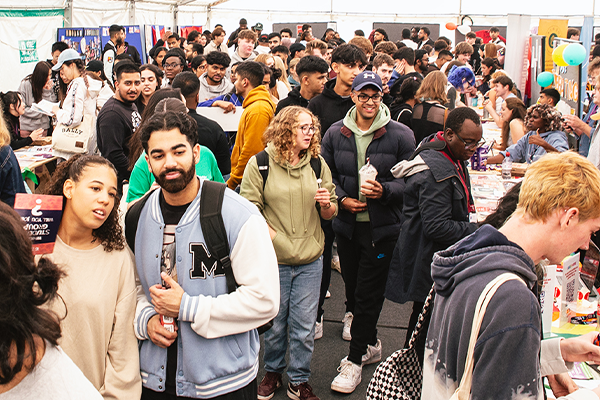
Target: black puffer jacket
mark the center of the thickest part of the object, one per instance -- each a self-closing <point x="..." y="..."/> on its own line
<point x="390" y="145"/>
<point x="435" y="216"/>
<point x="329" y="106"/>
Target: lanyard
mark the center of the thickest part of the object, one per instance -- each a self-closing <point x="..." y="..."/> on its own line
<point x="462" y="176"/>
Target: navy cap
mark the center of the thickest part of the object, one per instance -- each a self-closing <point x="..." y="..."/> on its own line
<point x="367" y="78"/>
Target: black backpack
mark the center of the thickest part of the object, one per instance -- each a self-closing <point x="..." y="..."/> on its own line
<point x="213" y="229"/>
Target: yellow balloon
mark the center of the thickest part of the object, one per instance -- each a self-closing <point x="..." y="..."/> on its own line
<point x="557" y="55"/>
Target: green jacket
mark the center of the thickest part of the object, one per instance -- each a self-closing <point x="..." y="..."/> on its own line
<point x="141" y="178"/>
<point x="288" y="205"/>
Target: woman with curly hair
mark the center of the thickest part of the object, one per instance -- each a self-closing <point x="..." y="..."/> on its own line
<point x="31" y="363"/>
<point x="99" y="288"/>
<point x="545" y="135"/>
<point x="292" y="199"/>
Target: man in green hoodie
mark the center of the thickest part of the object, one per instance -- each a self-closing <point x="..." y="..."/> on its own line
<point x="368" y="222"/>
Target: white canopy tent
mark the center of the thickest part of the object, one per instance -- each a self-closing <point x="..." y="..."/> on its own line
<point x="26" y="21"/>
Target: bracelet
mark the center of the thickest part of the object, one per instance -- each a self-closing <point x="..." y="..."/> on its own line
<point x="342" y="199"/>
<point x="328" y="206"/>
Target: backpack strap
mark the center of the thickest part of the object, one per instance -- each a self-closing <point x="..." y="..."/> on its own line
<point x="262" y="159"/>
<point x="131" y="220"/>
<point x="434" y="145"/>
<point x="213" y="228"/>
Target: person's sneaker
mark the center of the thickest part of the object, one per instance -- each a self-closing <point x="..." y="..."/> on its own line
<point x="319" y="329"/>
<point x="270" y="383"/>
<point x="348" y="378"/>
<point x="348" y="317"/>
<point x="373" y="354"/>
<point x="302" y="391"/>
<point x="328" y="294"/>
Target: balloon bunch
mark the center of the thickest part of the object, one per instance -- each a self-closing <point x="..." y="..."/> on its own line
<point x="569" y="54"/>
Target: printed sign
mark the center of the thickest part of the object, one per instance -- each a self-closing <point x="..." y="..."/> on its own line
<point x="42" y="215"/>
<point x="552" y="28"/>
<point x="28" y="51"/>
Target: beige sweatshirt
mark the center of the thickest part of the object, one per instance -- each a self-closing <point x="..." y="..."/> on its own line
<point x="97" y="333"/>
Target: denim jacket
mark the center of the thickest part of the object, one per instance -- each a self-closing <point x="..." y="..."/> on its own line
<point x="11" y="181"/>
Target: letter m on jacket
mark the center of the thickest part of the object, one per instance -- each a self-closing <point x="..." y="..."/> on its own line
<point x="203" y="264"/>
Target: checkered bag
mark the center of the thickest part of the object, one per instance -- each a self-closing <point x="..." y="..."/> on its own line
<point x="400" y="376"/>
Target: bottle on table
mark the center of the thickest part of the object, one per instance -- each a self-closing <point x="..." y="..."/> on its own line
<point x="506" y="166"/>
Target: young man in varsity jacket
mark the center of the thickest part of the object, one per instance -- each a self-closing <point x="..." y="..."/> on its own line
<point x="212" y="350"/>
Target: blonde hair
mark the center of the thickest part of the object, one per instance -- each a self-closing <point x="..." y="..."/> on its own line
<point x="4" y="133"/>
<point x="560" y="180"/>
<point x="282" y="133"/>
<point x="281" y="66"/>
<point x="433" y="87"/>
<point x="262" y="58"/>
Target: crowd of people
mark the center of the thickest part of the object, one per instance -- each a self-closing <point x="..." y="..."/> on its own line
<point x="360" y="146"/>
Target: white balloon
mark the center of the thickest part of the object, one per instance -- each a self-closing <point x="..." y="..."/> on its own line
<point x="464" y="29"/>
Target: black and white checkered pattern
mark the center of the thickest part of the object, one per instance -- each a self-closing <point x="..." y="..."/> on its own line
<point x="400" y="376"/>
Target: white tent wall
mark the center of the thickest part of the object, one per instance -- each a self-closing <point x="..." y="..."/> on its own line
<point x="13" y="29"/>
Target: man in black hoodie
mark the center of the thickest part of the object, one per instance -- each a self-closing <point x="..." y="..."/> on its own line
<point x="558" y="211"/>
<point x="119" y="118"/>
<point x="210" y="134"/>
<point x="312" y="72"/>
<point x="347" y="61"/>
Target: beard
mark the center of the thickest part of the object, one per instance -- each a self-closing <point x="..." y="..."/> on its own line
<point x="178" y="184"/>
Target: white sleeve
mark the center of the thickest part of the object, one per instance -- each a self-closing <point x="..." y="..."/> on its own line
<point x="256" y="300"/>
<point x="73" y="107"/>
<point x="109" y="60"/>
<point x="143" y="311"/>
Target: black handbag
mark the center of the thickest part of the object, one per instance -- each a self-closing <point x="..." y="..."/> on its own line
<point x="400" y="376"/>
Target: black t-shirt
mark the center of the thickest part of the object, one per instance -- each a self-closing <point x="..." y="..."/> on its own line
<point x="171" y="216"/>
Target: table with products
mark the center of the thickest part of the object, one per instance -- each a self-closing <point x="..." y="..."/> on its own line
<point x="33" y="161"/>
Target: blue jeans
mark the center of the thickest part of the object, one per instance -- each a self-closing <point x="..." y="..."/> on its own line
<point x="299" y="285"/>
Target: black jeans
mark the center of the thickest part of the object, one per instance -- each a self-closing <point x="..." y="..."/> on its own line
<point x="248" y="392"/>
<point x="326" y="278"/>
<point x="365" y="268"/>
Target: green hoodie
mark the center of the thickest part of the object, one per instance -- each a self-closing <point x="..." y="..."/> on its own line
<point x="288" y="205"/>
<point x="363" y="139"/>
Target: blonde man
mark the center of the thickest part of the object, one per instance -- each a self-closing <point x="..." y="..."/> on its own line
<point x="557" y="212"/>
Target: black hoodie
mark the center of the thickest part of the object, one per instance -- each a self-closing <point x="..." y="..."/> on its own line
<point x="329" y="106"/>
<point x="506" y="358"/>
<point x="294" y="98"/>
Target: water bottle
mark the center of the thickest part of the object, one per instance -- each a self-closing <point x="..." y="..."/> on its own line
<point x="506" y="166"/>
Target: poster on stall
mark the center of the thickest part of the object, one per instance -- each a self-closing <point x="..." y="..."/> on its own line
<point x="86" y="41"/>
<point x="28" y="51"/>
<point x="184" y="31"/>
<point x="41" y="215"/>
<point x="552" y="28"/>
<point x="568" y="291"/>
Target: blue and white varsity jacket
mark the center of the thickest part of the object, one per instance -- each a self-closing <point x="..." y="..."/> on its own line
<point x="218" y="344"/>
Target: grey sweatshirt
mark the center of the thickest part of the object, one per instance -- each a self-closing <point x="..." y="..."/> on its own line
<point x="32" y="120"/>
<point x="208" y="92"/>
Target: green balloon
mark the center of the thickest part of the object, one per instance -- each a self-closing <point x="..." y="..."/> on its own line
<point x="574" y="54"/>
<point x="545" y="79"/>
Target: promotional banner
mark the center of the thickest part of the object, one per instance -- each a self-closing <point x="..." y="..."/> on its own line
<point x="41" y="214"/>
<point x="552" y="28"/>
<point x="86" y="41"/>
<point x="184" y="31"/>
<point x="28" y="51"/>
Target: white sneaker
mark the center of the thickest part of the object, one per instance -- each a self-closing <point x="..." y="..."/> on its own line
<point x="328" y="294"/>
<point x="319" y="332"/>
<point x="373" y="354"/>
<point x="348" y="317"/>
<point x="349" y="377"/>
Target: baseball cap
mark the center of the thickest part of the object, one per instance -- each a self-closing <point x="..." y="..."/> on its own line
<point x="95" y="66"/>
<point x="367" y="78"/>
<point x="263" y="38"/>
<point x="67" y="55"/>
<point x="243" y="21"/>
<point x="258" y="26"/>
